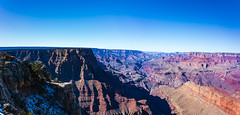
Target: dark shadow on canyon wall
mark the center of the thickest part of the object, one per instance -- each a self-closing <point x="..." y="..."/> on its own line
<point x="157" y="105"/>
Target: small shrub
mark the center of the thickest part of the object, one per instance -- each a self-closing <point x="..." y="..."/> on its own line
<point x="56" y="80"/>
<point x="38" y="72"/>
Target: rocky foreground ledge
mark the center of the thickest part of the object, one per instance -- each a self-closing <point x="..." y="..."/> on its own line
<point x="22" y="91"/>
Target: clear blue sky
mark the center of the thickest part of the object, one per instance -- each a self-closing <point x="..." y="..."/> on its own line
<point x="149" y="25"/>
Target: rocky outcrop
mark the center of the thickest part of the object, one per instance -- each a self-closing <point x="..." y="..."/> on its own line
<point x="67" y="98"/>
<point x="21" y="94"/>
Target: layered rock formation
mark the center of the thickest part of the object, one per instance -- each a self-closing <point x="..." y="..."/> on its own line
<point x="97" y="91"/>
<point x="191" y="98"/>
<point x="214" y="70"/>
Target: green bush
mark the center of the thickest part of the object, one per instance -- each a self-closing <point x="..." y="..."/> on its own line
<point x="56" y="80"/>
<point x="38" y="72"/>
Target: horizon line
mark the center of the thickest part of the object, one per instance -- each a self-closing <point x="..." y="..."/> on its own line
<point x="62" y="47"/>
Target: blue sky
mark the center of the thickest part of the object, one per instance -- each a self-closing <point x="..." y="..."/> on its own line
<point x="149" y="25"/>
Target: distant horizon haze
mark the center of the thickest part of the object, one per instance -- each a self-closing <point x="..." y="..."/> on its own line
<point x="56" y="47"/>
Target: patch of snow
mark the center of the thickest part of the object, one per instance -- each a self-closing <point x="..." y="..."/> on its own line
<point x="49" y="90"/>
<point x="1" y="109"/>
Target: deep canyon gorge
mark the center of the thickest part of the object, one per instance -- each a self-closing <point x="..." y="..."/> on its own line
<point x="104" y="81"/>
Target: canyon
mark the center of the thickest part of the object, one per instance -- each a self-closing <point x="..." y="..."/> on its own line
<point x="96" y="91"/>
<point x="210" y="80"/>
<point x="104" y="81"/>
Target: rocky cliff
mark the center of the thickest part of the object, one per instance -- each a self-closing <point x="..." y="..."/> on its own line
<point x="97" y="91"/>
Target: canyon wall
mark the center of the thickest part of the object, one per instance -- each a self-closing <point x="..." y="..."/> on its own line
<point x="96" y="91"/>
<point x="220" y="71"/>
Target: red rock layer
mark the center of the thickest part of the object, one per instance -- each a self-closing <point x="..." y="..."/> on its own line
<point x="228" y="104"/>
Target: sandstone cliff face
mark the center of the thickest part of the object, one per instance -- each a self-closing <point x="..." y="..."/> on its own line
<point x="97" y="91"/>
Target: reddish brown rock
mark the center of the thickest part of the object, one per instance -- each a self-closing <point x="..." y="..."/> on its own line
<point x="97" y="92"/>
<point x="195" y="99"/>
